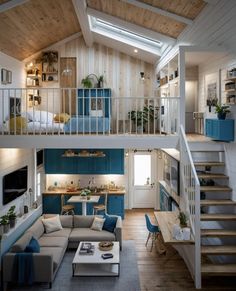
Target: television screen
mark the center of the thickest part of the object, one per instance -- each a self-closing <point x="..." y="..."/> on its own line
<point x="15" y="184"/>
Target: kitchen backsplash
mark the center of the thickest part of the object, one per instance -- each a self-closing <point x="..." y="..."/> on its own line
<point x="64" y="181"/>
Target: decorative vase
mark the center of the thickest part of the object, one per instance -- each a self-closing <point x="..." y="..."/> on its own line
<point x="12" y="222"/>
<point x="221" y="116"/>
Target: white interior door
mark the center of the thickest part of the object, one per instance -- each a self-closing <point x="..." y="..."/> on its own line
<point x="143" y="187"/>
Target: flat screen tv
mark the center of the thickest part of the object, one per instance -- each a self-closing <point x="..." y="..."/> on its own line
<point x="15" y="184"/>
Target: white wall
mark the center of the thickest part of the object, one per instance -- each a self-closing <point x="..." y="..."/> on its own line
<point x="18" y="81"/>
<point x="11" y="160"/>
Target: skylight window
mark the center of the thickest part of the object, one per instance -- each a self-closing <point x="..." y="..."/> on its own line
<point x="124" y="34"/>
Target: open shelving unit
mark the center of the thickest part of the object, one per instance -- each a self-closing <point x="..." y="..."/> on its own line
<point x="228" y="77"/>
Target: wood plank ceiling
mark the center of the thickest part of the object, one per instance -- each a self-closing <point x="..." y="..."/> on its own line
<point x="35" y="25"/>
<point x="149" y="19"/>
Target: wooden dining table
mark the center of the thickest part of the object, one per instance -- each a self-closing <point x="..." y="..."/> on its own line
<point x="84" y="201"/>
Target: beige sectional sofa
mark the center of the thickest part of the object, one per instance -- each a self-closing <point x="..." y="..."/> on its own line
<point x="53" y="245"/>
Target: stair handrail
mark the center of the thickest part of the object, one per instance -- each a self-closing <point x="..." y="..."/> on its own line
<point x="191" y="193"/>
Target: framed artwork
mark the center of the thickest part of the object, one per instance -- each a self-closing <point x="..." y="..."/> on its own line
<point x="211" y="90"/>
<point x="9" y="77"/>
<point x="15" y="107"/>
<point x="4" y="76"/>
<point x="96" y="109"/>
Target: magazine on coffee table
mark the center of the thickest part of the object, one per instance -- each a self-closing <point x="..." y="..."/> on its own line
<point x="86" y="249"/>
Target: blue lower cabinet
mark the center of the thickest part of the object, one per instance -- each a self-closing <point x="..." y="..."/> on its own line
<point x="221" y="130"/>
<point x="52" y="204"/>
<point x="115" y="205"/>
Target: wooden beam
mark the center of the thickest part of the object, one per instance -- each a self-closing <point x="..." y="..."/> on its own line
<point x="131" y="27"/>
<point x="159" y="11"/>
<point x="80" y="9"/>
<point x="11" y="4"/>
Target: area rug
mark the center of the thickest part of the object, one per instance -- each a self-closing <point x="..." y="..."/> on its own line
<point x="128" y="280"/>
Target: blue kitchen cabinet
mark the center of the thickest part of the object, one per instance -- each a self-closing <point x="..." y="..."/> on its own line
<point x="112" y="163"/>
<point x="221" y="130"/>
<point x="115" y="205"/>
<point x="52" y="204"/>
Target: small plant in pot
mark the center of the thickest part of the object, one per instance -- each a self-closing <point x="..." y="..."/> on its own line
<point x="12" y="216"/>
<point x="182" y="219"/>
<point x="222" y="111"/>
<point x="5" y="222"/>
<point x="85" y="193"/>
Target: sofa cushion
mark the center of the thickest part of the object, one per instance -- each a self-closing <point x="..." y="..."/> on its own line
<point x="65" y="232"/>
<point x="37" y="229"/>
<point x="97" y="223"/>
<point x="66" y="220"/>
<point x="52" y="224"/>
<point x="83" y="221"/>
<point x="20" y="245"/>
<point x="56" y="252"/>
<point x="45" y="241"/>
<point x="87" y="234"/>
<point x="109" y="223"/>
<point x="33" y="246"/>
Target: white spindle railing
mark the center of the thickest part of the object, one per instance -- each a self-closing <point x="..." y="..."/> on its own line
<point x="191" y="194"/>
<point x="32" y="111"/>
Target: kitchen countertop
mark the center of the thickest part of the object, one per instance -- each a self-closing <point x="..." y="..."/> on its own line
<point x="67" y="192"/>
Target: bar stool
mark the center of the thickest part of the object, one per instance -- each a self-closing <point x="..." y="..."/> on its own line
<point x="100" y="207"/>
<point x="66" y="209"/>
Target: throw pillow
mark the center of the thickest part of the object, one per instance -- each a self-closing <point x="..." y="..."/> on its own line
<point x="40" y="116"/>
<point x="52" y="224"/>
<point x="62" y="117"/>
<point x="33" y="246"/>
<point x="98" y="223"/>
<point x="18" y="123"/>
<point x="109" y="223"/>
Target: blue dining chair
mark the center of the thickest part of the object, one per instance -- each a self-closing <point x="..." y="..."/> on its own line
<point x="154" y="231"/>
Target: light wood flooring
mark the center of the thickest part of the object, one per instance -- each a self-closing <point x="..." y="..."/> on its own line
<point x="163" y="272"/>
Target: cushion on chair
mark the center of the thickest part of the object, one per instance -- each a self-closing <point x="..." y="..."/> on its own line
<point x="109" y="223"/>
<point x="33" y="246"/>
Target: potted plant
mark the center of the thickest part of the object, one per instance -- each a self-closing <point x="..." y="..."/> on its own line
<point x="12" y="216"/>
<point x="86" y="82"/>
<point x="89" y="82"/>
<point x="5" y="222"/>
<point x="183" y="219"/>
<point x="221" y="111"/>
<point x="100" y="81"/>
<point x="85" y="193"/>
<point x="139" y="117"/>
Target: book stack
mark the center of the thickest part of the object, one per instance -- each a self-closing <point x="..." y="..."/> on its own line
<point x="86" y="249"/>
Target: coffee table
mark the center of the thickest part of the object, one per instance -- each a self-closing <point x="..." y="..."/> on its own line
<point x="95" y="265"/>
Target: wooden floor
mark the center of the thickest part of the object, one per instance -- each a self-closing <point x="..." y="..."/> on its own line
<point x="163" y="272"/>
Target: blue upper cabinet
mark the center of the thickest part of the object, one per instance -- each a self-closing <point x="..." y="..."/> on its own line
<point x="111" y="163"/>
<point x="94" y="99"/>
<point x="222" y="130"/>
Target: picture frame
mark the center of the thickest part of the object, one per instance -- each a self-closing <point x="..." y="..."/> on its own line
<point x="6" y="76"/>
<point x="212" y="94"/>
<point x="3" y="76"/>
<point x="9" y="77"/>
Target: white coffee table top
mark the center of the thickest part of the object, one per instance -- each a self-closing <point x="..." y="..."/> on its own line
<point x="96" y="257"/>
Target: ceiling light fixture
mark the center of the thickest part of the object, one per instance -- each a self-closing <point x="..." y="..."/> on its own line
<point x="142" y="76"/>
<point x="136" y="51"/>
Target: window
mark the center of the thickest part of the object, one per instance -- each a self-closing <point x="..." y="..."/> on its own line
<point x="142" y="170"/>
<point x="38" y="185"/>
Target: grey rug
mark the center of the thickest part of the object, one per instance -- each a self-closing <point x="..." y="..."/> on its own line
<point x="128" y="280"/>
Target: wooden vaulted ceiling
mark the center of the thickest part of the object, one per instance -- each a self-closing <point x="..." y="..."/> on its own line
<point x="148" y="19"/>
<point x="36" y="24"/>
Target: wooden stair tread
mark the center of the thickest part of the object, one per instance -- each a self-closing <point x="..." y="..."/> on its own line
<point x="210" y="164"/>
<point x="221" y="250"/>
<point x="217" y="232"/>
<point x="217" y="202"/>
<point x="218" y="269"/>
<point x="215" y="217"/>
<point x="215" y="188"/>
<point x="212" y="176"/>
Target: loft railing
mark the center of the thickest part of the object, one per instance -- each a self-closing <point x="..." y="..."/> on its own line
<point x="191" y="194"/>
<point x="36" y="111"/>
